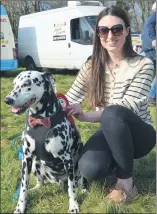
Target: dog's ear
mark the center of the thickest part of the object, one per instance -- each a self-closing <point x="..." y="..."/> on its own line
<point x="53" y="82"/>
<point x="47" y="75"/>
<point x="49" y="78"/>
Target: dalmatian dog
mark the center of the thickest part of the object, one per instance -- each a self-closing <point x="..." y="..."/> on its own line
<point x="51" y="143"/>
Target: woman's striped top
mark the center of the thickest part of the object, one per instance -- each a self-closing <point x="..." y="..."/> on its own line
<point x="128" y="85"/>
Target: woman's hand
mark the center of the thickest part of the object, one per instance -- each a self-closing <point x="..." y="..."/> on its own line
<point x="154" y="43"/>
<point x="76" y="111"/>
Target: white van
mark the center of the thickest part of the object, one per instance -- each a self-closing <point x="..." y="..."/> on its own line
<point x="59" y="38"/>
<point x="8" y="59"/>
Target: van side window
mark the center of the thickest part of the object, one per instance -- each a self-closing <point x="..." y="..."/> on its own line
<point x="75" y="29"/>
<point x="81" y="31"/>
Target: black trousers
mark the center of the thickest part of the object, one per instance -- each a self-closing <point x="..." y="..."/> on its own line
<point x="122" y="137"/>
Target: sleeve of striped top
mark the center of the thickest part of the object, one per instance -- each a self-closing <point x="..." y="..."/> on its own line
<point x="136" y="96"/>
<point x="76" y="93"/>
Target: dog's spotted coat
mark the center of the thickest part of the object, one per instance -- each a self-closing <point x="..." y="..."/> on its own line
<point x="54" y="157"/>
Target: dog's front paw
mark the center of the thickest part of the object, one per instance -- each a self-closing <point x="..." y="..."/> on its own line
<point x="19" y="209"/>
<point x="73" y="207"/>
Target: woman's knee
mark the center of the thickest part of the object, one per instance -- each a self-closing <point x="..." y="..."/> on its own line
<point x="113" y="112"/>
<point x="92" y="170"/>
<point x="95" y="157"/>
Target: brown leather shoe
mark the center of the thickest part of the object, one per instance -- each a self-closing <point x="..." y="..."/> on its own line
<point x="119" y="195"/>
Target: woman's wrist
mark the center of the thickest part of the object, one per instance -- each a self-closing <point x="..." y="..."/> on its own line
<point x="82" y="117"/>
<point x="92" y="117"/>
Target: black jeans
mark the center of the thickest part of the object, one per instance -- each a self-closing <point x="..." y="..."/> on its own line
<point x="122" y="137"/>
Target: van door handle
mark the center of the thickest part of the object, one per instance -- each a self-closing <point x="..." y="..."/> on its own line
<point x="69" y="45"/>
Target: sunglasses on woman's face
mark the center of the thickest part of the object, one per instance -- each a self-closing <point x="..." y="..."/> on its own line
<point x="116" y="30"/>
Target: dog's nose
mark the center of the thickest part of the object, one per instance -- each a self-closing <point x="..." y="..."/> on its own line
<point x="8" y="101"/>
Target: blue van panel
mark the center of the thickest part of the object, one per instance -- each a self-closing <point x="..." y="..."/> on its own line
<point x="8" y="64"/>
<point x="3" y="11"/>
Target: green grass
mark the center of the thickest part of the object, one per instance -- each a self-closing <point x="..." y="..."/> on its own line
<point x="50" y="198"/>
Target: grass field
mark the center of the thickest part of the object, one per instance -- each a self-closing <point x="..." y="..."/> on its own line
<point x="50" y="198"/>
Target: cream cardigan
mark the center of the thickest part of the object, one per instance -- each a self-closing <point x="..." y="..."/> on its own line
<point x="128" y="85"/>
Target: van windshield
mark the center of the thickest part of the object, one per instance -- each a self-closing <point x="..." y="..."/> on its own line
<point x="82" y="29"/>
<point x="91" y="21"/>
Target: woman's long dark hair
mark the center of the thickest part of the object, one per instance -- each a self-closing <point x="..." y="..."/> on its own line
<point x="96" y="81"/>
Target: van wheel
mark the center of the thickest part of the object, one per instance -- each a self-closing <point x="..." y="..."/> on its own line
<point x="30" y="64"/>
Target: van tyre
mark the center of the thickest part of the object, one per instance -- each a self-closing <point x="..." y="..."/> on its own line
<point x="30" y="64"/>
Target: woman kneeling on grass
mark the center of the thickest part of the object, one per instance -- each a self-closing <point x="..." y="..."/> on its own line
<point x="117" y="81"/>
